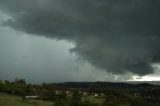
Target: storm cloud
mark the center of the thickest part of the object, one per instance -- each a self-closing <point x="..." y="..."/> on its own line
<point x="116" y="35"/>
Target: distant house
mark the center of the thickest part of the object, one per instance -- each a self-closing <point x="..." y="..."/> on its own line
<point x="84" y="93"/>
<point x="31" y="97"/>
<point x="58" y="92"/>
<point x="136" y="94"/>
<point x="96" y="95"/>
<point x="69" y="93"/>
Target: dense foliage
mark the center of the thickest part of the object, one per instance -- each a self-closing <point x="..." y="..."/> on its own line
<point x="62" y="97"/>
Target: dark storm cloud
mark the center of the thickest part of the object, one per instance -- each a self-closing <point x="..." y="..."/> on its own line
<point x="115" y="35"/>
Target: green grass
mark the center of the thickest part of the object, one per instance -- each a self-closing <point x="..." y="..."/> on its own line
<point x="10" y="100"/>
<point x="93" y="99"/>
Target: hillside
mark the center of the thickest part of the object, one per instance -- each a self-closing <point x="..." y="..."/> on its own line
<point x="9" y="100"/>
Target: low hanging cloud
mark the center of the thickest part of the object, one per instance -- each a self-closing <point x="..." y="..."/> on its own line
<point x="116" y="35"/>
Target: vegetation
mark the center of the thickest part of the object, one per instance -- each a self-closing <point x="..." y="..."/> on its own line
<point x="10" y="100"/>
<point x="69" y="96"/>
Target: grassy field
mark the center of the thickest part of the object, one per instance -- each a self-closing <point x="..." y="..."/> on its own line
<point x="9" y="100"/>
<point x="93" y="99"/>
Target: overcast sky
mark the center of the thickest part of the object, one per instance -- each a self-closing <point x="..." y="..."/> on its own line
<point x="79" y="40"/>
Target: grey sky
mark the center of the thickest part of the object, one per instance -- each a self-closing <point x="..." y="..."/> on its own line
<point x="39" y="59"/>
<point x="103" y="36"/>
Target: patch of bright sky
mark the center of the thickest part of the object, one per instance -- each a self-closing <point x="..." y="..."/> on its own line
<point x="145" y="78"/>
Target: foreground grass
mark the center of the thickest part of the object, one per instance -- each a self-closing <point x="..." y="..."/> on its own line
<point x="10" y="100"/>
<point x="93" y="99"/>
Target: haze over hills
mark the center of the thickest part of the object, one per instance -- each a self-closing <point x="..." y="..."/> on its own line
<point x="149" y="82"/>
<point x="109" y="85"/>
